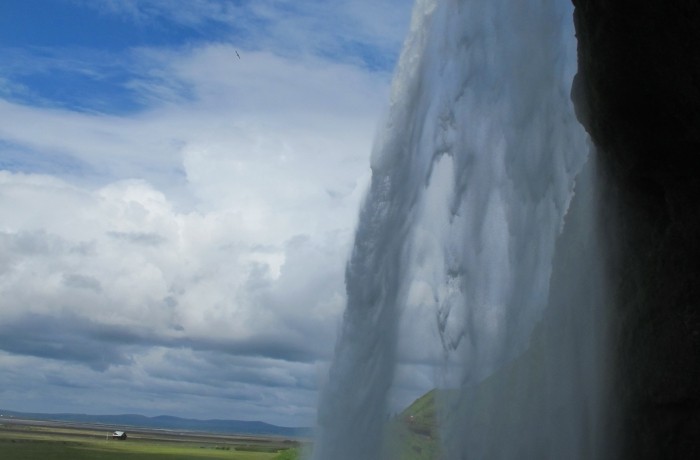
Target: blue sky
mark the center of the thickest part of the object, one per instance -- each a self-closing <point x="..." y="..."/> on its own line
<point x="174" y="220"/>
<point x="82" y="55"/>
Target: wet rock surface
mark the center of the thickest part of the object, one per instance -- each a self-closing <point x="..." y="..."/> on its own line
<point x="637" y="92"/>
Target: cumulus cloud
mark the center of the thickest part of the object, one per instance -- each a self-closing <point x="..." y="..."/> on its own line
<point x="81" y="282"/>
<point x="188" y="254"/>
<point x="219" y="224"/>
<point x="122" y="256"/>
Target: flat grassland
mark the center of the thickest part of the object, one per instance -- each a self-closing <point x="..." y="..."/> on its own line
<point x="33" y="440"/>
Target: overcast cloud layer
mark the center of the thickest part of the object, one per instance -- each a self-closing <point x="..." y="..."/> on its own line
<point x="175" y="219"/>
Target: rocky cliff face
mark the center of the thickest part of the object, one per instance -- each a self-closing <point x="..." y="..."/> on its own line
<point x="638" y="94"/>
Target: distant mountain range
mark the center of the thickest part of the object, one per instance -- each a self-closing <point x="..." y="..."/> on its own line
<point x="169" y="423"/>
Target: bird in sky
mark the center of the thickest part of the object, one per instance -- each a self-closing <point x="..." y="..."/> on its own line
<point x="239" y="56"/>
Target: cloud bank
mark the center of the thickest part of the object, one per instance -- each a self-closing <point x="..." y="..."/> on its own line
<point x="185" y="254"/>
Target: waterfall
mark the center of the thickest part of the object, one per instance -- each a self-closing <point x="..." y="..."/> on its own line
<point x="481" y="211"/>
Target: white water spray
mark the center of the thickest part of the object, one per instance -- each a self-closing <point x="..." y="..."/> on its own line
<point x="472" y="180"/>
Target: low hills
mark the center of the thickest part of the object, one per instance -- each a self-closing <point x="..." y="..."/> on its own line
<point x="169" y="423"/>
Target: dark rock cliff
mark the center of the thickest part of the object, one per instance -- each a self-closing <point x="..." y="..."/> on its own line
<point x="638" y="94"/>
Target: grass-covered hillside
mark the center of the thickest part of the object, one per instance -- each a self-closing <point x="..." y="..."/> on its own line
<point x="413" y="433"/>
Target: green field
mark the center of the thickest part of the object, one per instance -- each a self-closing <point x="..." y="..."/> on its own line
<point x="411" y="435"/>
<point x="35" y="443"/>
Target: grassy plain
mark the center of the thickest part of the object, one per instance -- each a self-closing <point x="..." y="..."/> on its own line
<point x="32" y="442"/>
<point x="412" y="435"/>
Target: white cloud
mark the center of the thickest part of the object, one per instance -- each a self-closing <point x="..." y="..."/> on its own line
<point x="268" y="111"/>
<point x="180" y="234"/>
<point x="211" y="227"/>
<point x="99" y="277"/>
<point x="291" y="26"/>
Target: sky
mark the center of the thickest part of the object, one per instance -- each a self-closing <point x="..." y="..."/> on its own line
<point x="179" y="185"/>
